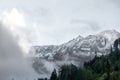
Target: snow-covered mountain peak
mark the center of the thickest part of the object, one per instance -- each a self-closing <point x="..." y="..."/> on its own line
<point x="79" y="37"/>
<point x="110" y="35"/>
<point x="75" y="51"/>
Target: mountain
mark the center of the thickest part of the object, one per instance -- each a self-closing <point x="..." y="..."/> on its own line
<point x="75" y="51"/>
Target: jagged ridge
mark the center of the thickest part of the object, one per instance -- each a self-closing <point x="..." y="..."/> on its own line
<point x="77" y="50"/>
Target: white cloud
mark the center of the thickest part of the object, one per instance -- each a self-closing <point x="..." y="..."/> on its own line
<point x="13" y="47"/>
<point x="14" y="21"/>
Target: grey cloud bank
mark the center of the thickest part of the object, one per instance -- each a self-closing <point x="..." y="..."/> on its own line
<point x="12" y="62"/>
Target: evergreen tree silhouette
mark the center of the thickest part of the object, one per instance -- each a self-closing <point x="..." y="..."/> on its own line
<point x="53" y="75"/>
<point x="108" y="68"/>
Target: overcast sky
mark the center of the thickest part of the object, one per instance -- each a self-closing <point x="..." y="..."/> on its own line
<point x="45" y="22"/>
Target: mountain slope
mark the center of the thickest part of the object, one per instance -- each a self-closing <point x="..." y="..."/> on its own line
<point x="76" y="51"/>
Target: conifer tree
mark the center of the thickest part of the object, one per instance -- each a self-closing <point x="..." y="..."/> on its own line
<point x="108" y="68"/>
<point x="53" y="75"/>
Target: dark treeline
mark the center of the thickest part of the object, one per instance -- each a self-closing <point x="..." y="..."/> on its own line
<point x="100" y="68"/>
